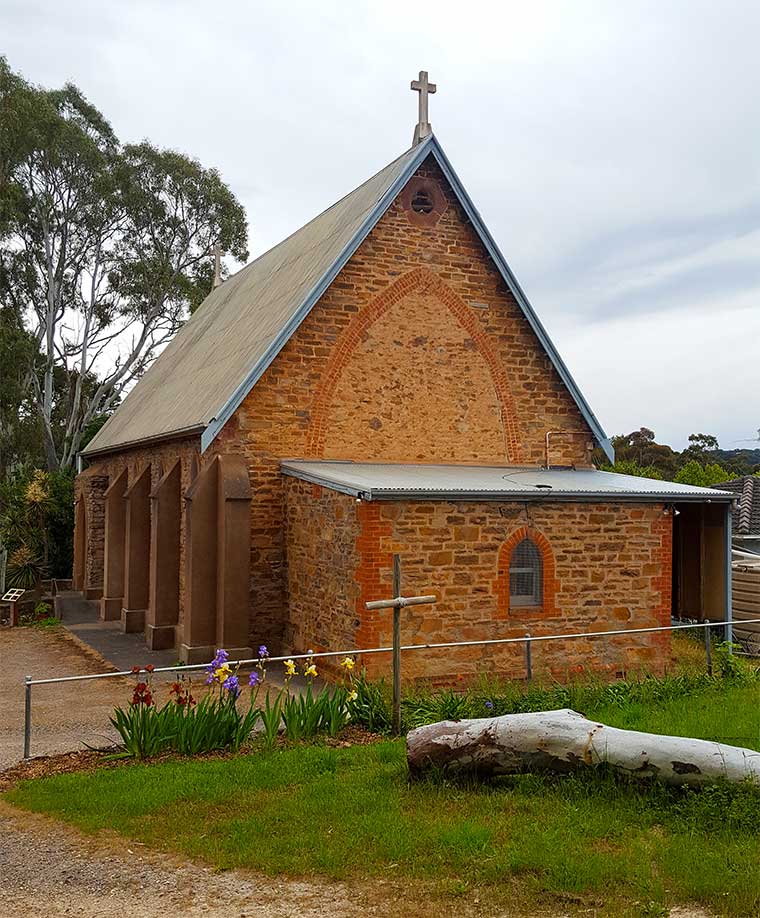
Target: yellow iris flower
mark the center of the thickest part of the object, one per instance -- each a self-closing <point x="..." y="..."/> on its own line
<point x="352" y="696"/>
<point x="348" y="664"/>
<point x="311" y="671"/>
<point x="222" y="673"/>
<point x="290" y="668"/>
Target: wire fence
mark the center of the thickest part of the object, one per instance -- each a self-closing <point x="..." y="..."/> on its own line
<point x="527" y="640"/>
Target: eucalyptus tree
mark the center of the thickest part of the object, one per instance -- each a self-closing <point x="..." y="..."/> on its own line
<point x="104" y="250"/>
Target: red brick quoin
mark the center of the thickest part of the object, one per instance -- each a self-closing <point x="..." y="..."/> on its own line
<point x="501" y="584"/>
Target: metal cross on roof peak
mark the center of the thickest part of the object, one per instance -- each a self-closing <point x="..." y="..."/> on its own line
<point x="423" y="87"/>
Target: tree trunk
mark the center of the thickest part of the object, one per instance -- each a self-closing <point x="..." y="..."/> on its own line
<point x="563" y="741"/>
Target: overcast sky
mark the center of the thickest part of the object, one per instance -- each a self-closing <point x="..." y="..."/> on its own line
<point x="613" y="149"/>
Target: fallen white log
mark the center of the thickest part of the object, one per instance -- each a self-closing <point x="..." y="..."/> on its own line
<point x="564" y="741"/>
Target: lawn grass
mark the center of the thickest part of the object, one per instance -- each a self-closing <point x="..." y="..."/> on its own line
<point x="724" y="712"/>
<point x="351" y="813"/>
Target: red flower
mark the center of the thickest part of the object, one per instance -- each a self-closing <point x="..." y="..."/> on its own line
<point x="149" y="668"/>
<point x="135" y="669"/>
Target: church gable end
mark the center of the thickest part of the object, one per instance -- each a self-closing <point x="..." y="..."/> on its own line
<point x="418" y="351"/>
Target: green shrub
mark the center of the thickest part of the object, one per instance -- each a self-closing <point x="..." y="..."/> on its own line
<point x="426" y="709"/>
<point x="25" y="568"/>
<point x="191" y="728"/>
<point x="37" y="516"/>
<point x="214" y="723"/>
<point x="271" y="718"/>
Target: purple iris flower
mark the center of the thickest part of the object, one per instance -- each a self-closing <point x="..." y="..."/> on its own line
<point x="489" y="705"/>
<point x="232" y="685"/>
<point x="221" y="657"/>
<point x="263" y="652"/>
<point x="255" y="679"/>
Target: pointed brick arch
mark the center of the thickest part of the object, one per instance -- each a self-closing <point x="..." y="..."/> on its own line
<point x="421" y="280"/>
<point x="549" y="587"/>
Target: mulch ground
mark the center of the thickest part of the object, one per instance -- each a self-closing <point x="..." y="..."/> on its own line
<point x="92" y="759"/>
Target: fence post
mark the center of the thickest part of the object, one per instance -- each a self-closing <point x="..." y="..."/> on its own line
<point x="27" y="716"/>
<point x="528" y="657"/>
<point x="708" y="650"/>
<point x="396" y="646"/>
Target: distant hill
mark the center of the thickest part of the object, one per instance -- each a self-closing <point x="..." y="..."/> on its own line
<point x="739" y="460"/>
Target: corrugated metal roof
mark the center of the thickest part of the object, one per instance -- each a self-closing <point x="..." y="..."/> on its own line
<point x="214" y="352"/>
<point x="376" y="480"/>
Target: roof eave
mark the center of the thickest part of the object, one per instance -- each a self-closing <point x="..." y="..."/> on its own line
<point x="181" y="434"/>
<point x="370" y="493"/>
<point x="545" y="496"/>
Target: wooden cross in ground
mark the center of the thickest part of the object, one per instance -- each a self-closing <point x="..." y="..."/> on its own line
<point x="398" y="603"/>
<point x="424" y="88"/>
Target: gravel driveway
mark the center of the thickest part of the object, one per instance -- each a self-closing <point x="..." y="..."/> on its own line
<point x="64" y="716"/>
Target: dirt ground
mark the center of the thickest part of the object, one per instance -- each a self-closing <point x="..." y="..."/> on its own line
<point x="64" y="716"/>
<point x="70" y="874"/>
<point x="54" y="870"/>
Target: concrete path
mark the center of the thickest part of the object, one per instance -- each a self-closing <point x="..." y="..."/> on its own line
<point x="122" y="650"/>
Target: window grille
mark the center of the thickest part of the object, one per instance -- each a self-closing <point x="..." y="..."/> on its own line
<point x="526" y="575"/>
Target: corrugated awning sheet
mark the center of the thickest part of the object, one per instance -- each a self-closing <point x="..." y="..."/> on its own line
<point x="390" y="480"/>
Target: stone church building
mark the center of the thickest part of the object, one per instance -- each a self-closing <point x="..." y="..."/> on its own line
<point x="376" y="384"/>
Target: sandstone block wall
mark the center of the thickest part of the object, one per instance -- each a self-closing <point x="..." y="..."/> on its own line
<point x="90" y="487"/>
<point x="606" y="566"/>
<point x="323" y="538"/>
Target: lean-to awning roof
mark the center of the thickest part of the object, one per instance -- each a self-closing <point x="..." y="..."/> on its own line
<point x="391" y="481"/>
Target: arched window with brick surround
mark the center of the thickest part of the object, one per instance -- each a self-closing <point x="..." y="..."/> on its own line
<point x="526" y="575"/>
<point x="525" y="583"/>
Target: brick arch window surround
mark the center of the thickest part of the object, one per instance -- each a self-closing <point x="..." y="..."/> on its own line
<point x="525" y="583"/>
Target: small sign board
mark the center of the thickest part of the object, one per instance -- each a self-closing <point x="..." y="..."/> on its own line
<point x="13" y="595"/>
